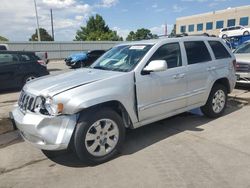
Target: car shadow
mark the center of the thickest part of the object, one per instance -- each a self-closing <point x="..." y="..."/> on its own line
<point x="143" y="137"/>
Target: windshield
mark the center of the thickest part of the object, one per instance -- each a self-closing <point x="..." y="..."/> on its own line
<point x="244" y="48"/>
<point x="121" y="58"/>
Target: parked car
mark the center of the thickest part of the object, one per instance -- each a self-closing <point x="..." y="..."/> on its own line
<point x="42" y="55"/>
<point x="3" y="47"/>
<point x="236" y="41"/>
<point x="242" y="54"/>
<point x="83" y="59"/>
<point x="234" y="31"/>
<point x="17" y="68"/>
<point x="130" y="86"/>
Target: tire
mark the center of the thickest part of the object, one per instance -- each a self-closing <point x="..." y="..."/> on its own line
<point x="93" y="132"/>
<point x="29" y="78"/>
<point x="246" y="33"/>
<point x="216" y="103"/>
<point x="224" y="36"/>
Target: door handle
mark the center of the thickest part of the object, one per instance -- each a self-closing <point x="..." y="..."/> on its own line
<point x="211" y="68"/>
<point x="181" y="75"/>
<point x="178" y="76"/>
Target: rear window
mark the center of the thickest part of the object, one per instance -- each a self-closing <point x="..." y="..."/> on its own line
<point x="197" y="52"/>
<point x="220" y="52"/>
<point x="27" y="57"/>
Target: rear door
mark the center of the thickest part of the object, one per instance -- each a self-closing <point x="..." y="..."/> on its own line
<point x="198" y="76"/>
<point x="9" y="65"/>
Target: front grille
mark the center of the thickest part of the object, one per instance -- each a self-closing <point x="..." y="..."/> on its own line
<point x="26" y="102"/>
<point x="242" y="67"/>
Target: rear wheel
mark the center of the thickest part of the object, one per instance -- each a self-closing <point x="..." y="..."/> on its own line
<point x="216" y="102"/>
<point x="99" y="136"/>
<point x="246" y="33"/>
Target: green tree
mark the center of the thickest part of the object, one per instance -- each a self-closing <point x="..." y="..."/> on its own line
<point x="3" y="38"/>
<point x="96" y="29"/>
<point x="173" y="32"/>
<point x="140" y="34"/>
<point x="45" y="36"/>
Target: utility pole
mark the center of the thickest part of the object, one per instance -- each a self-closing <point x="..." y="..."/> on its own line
<point x="37" y="23"/>
<point x="52" y="24"/>
<point x="165" y="29"/>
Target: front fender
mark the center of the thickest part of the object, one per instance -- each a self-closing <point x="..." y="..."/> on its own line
<point x="120" y="89"/>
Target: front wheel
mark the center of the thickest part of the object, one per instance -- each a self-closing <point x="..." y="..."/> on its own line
<point x="29" y="78"/>
<point x="224" y="36"/>
<point x="216" y="102"/>
<point x="99" y="136"/>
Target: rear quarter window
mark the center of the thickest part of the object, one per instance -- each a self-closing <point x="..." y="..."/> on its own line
<point x="26" y="58"/>
<point x="197" y="52"/>
<point x="219" y="50"/>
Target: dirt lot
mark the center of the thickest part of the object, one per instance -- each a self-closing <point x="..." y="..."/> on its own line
<point x="187" y="150"/>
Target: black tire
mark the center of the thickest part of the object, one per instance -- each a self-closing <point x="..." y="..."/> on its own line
<point x="207" y="109"/>
<point x="224" y="36"/>
<point x="246" y="33"/>
<point x="82" y="128"/>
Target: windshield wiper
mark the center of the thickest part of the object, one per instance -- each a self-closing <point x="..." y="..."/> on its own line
<point x="101" y="68"/>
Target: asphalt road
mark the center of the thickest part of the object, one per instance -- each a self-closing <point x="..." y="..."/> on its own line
<point x="183" y="151"/>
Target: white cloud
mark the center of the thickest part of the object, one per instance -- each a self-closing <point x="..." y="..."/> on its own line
<point x="121" y="32"/>
<point x="154" y="5"/>
<point x="177" y="8"/>
<point x="200" y="1"/>
<point x="160" y="30"/>
<point x="18" y="22"/>
<point x="59" y="3"/>
<point x="213" y="4"/>
<point x="108" y="3"/>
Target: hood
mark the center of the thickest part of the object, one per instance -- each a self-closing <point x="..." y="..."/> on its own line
<point x="243" y="58"/>
<point x="52" y="85"/>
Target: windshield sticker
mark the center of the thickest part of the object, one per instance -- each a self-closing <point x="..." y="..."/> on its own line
<point x="137" y="47"/>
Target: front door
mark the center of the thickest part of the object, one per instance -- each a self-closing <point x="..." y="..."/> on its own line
<point x="160" y="93"/>
<point x="8" y="68"/>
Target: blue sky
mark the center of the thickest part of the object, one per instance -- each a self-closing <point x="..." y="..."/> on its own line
<point x="18" y="24"/>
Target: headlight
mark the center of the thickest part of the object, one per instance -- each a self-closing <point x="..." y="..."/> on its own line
<point x="52" y="108"/>
<point x="47" y="107"/>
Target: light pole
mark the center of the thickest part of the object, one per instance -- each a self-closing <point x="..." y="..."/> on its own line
<point x="37" y="23"/>
<point x="52" y="24"/>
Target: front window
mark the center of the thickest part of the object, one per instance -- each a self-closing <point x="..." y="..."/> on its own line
<point x="122" y="58"/>
<point x="242" y="49"/>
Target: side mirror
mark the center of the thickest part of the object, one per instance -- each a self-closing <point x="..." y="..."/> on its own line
<point x="156" y="66"/>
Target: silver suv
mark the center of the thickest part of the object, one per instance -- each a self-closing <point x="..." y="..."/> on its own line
<point x="130" y="86"/>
